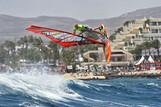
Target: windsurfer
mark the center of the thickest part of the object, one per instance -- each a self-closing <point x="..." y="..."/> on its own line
<point x="102" y="30"/>
<point x="81" y="28"/>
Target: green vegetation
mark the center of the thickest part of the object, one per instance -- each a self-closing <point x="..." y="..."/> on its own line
<point x="29" y="49"/>
<point x="147" y="45"/>
<point x="113" y="37"/>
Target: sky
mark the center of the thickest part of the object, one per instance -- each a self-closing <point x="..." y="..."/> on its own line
<point x="79" y="9"/>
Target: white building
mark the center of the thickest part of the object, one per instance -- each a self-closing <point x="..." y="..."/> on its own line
<point x="137" y="31"/>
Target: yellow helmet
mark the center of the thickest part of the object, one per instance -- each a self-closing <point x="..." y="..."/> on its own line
<point x="76" y="25"/>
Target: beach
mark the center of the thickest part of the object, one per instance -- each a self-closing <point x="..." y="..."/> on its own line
<point x="102" y="76"/>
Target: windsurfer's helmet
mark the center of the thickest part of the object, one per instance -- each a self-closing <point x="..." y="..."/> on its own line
<point x="102" y="26"/>
<point x="76" y="26"/>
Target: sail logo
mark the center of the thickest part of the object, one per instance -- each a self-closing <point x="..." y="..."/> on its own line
<point x="51" y="33"/>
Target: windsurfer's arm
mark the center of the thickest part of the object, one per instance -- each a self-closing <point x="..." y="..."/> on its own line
<point x="96" y="28"/>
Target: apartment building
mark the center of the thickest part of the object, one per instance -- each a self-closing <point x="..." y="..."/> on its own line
<point x="137" y="31"/>
<point x="152" y="29"/>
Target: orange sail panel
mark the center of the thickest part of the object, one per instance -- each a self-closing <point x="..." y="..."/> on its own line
<point x="108" y="47"/>
<point x="108" y="51"/>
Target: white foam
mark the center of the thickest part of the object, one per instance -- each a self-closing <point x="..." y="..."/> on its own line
<point x="108" y="85"/>
<point x="86" y="85"/>
<point x="81" y="83"/>
<point x="143" y="106"/>
<point x="27" y="104"/>
<point x="39" y="84"/>
<point x="153" y="84"/>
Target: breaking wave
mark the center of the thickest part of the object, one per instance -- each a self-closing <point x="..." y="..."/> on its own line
<point x="37" y="87"/>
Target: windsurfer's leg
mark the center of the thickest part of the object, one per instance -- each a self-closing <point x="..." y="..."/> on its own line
<point x="74" y="31"/>
<point x="81" y="33"/>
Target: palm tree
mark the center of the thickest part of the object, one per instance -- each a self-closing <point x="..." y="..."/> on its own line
<point x="9" y="46"/>
<point x="119" y="29"/>
<point x="146" y="45"/>
<point x="54" y="50"/>
<point x="113" y="36"/>
<point x="156" y="45"/>
<point x="68" y="56"/>
<point x="3" y="54"/>
<point x="127" y="23"/>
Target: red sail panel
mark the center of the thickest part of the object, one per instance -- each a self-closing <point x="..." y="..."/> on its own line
<point x="66" y="39"/>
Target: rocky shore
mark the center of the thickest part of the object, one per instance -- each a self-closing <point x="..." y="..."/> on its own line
<point x="102" y="76"/>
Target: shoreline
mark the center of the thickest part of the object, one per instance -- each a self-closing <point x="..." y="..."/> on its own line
<point x="103" y="76"/>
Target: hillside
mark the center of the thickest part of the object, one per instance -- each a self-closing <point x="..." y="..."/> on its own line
<point x="12" y="27"/>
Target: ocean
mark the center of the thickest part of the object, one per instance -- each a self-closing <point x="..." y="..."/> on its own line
<point x="42" y="89"/>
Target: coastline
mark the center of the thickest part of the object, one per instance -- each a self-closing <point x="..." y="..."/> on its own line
<point x="83" y="76"/>
<point x="103" y="76"/>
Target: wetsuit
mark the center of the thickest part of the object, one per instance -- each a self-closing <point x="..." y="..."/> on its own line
<point x="81" y="28"/>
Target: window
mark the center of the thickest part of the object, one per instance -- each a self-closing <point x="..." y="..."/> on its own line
<point x="153" y="23"/>
<point x="159" y="23"/>
<point x="159" y="30"/>
<point x="94" y="55"/>
<point x="154" y="30"/>
<point x="126" y="44"/>
<point x="119" y="59"/>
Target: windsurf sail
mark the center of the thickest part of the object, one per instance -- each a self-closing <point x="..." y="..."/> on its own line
<point x="107" y="47"/>
<point x="68" y="39"/>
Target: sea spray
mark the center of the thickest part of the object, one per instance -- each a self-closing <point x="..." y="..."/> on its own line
<point x="37" y="82"/>
<point x="43" y="88"/>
